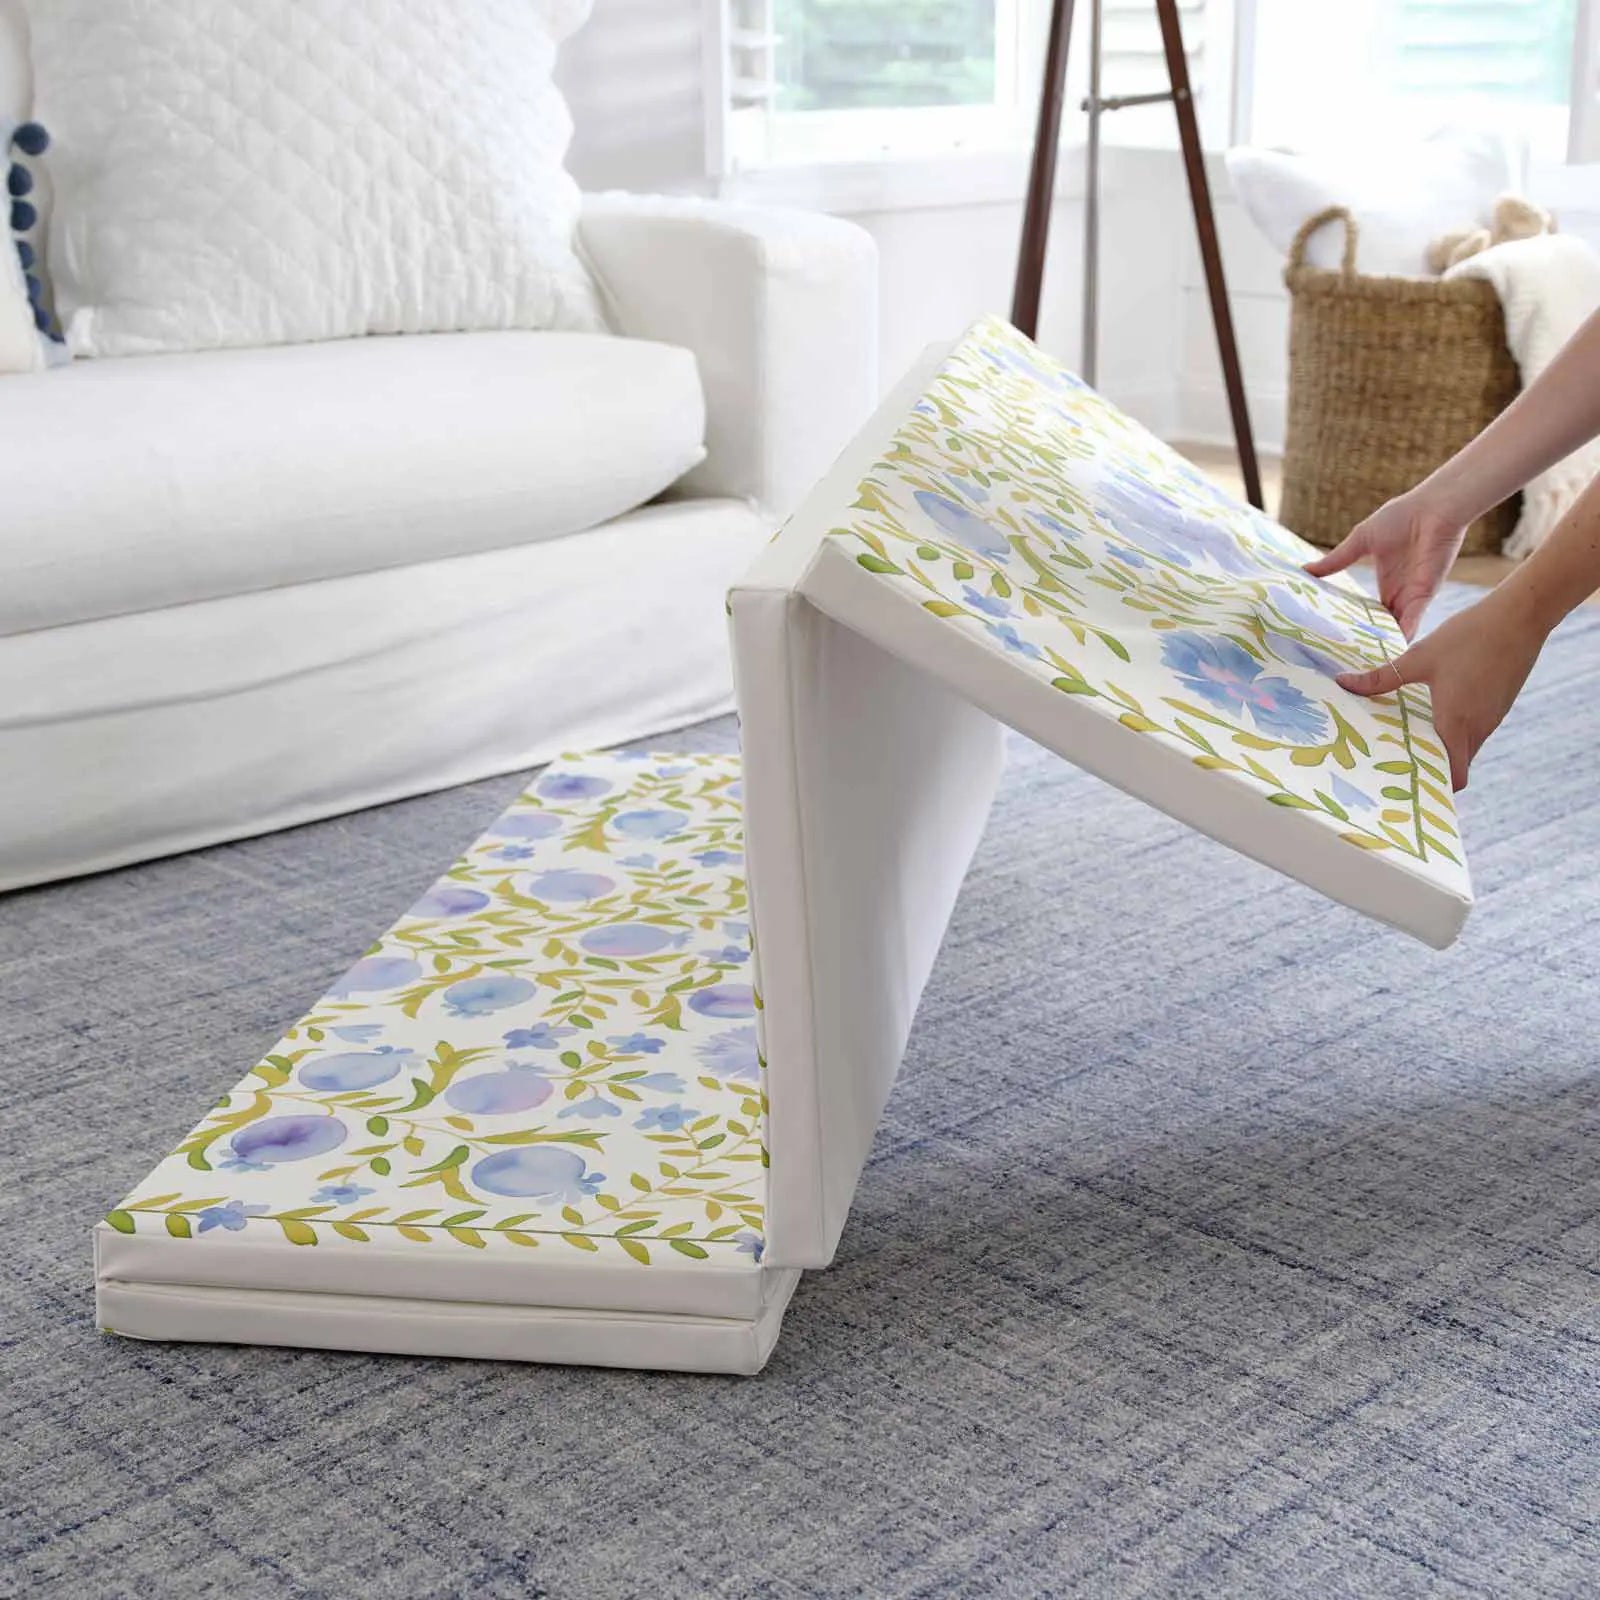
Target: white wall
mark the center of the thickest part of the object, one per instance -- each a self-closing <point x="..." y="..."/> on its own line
<point x="635" y="78"/>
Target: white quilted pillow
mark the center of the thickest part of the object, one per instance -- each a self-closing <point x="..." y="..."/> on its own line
<point x="245" y="172"/>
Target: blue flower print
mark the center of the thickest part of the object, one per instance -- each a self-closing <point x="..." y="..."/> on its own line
<point x="1287" y="649"/>
<point x="1293" y="609"/>
<point x="1013" y="641"/>
<point x="737" y="930"/>
<point x="991" y="605"/>
<point x="1276" y="545"/>
<point x="1229" y="677"/>
<point x="541" y="1036"/>
<point x="1350" y="797"/>
<point x="960" y="524"/>
<point x="340" y="1194"/>
<point x="537" y="1172"/>
<point x="673" y="772"/>
<point x="975" y="492"/>
<point x="479" y="997"/>
<point x="1054" y="526"/>
<point x="730" y="955"/>
<point x="1130" y="558"/>
<point x="638" y="862"/>
<point x="659" y="1082"/>
<point x="573" y="786"/>
<point x="233" y="1162"/>
<point x="1051" y="376"/>
<point x="750" y="1244"/>
<point x="515" y="852"/>
<point x="231" y="1215"/>
<point x="666" y="1119"/>
<point x="592" y="1108"/>
<point x="718" y="858"/>
<point x="636" y="1044"/>
<point x="358" y="1032"/>
<point x="734" y="1054"/>
<point x="1157" y="524"/>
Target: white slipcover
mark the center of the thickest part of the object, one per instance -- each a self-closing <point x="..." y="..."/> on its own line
<point x="163" y="480"/>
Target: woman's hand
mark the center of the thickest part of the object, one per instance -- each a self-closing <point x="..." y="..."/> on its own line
<point x="1474" y="665"/>
<point x="1412" y="544"/>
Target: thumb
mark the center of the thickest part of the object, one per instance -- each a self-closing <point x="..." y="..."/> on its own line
<point x="1344" y="554"/>
<point x="1385" y="679"/>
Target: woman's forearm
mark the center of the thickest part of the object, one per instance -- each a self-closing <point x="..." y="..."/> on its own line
<point x="1563" y="572"/>
<point x="1550" y="419"/>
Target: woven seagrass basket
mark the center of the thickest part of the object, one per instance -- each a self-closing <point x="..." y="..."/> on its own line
<point x="1388" y="377"/>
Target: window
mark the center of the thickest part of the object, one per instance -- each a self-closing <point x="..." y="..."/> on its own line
<point x="1325" y="68"/>
<point x="809" y="81"/>
<point x="857" y="80"/>
<point x="868" y="55"/>
<point x="824" y="80"/>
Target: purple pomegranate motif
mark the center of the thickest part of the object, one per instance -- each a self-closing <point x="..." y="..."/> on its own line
<point x="276" y="1139"/>
<point x="627" y="940"/>
<point x="572" y="786"/>
<point x="449" y="900"/>
<point x="352" y="1069"/>
<point x="527" y="825"/>
<point x="492" y="1094"/>
<point x="657" y="823"/>
<point x="565" y="886"/>
<point x="724" y="1000"/>
<point x="538" y="1173"/>
<point x="479" y="997"/>
<point x="372" y="973"/>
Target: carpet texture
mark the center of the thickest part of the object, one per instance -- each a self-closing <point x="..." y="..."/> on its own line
<point x="1216" y="1242"/>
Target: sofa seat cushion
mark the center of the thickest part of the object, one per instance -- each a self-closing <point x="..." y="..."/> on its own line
<point x="155" y="481"/>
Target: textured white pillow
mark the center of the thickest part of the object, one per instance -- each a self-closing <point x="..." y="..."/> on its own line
<point x="1402" y="195"/>
<point x="246" y="172"/>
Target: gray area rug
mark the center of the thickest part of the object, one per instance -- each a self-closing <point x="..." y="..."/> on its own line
<point x="1216" y="1243"/>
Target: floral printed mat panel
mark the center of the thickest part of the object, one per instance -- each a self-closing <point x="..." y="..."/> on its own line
<point x="1020" y="507"/>
<point x="554" y="1052"/>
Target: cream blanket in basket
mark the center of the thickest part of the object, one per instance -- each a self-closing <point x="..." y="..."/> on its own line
<point x="1547" y="286"/>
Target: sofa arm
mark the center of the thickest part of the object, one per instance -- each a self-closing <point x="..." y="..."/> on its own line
<point x="779" y="309"/>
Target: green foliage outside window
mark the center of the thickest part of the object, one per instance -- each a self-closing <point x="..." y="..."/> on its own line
<point x="846" y="55"/>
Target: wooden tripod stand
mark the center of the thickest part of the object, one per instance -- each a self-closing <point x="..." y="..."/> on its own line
<point x="1041" y="187"/>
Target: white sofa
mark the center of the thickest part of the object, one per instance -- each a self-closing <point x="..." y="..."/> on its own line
<point x="244" y="589"/>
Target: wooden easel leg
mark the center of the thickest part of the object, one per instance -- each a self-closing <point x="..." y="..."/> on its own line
<point x="1205" y="223"/>
<point x="1042" y="175"/>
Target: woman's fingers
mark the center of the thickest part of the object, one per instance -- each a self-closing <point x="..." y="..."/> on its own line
<point x="1413" y="667"/>
<point x="1344" y="554"/>
<point x="1381" y="680"/>
<point x="1409" y="614"/>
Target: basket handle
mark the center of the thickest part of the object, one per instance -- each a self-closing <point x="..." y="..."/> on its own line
<point x="1302" y="237"/>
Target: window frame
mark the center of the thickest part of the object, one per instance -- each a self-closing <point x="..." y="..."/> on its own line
<point x="740" y="152"/>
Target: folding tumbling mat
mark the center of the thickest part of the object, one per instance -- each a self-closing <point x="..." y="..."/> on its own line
<point x="607" y="1088"/>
